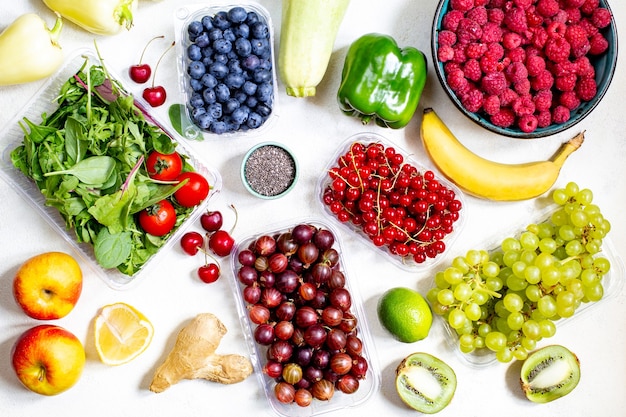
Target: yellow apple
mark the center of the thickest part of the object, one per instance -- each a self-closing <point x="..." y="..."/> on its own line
<point x="48" y="359"/>
<point x="47" y="286"/>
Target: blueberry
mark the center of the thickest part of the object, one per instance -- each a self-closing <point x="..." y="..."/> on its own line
<point x="207" y="51"/>
<point x="242" y="31"/>
<point x="207" y="22"/>
<point x="229" y="35"/>
<point x="234" y="81"/>
<point x="220" y="58"/>
<point x="220" y="20"/>
<point x="195" y="28"/>
<point x="254" y="120"/>
<point x="265" y="64"/>
<point x="234" y="67"/>
<point x="222" y="92"/>
<point x="214" y="110"/>
<point x="243" y="47"/>
<point x="218" y="70"/>
<point x="197" y="112"/>
<point x="240" y="115"/>
<point x="264" y="110"/>
<point x="196" y="100"/>
<point x="259" y="30"/>
<point x="262" y="76"/>
<point x="207" y="61"/>
<point x="251" y="62"/>
<point x="222" y="46"/>
<point x="249" y="88"/>
<point x="252" y="18"/>
<point x="215" y="34"/>
<point x="209" y="80"/>
<point x="252" y="101"/>
<point x="240" y="96"/>
<point x="208" y="95"/>
<point x="204" y="120"/>
<point x="260" y="47"/>
<point x="237" y="14"/>
<point x="230" y="105"/>
<point x="194" y="52"/>
<point x="196" y="69"/>
<point x="218" y="127"/>
<point x="196" y="85"/>
<point x="203" y="40"/>
<point x="264" y="92"/>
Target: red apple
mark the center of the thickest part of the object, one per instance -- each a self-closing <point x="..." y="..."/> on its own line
<point x="47" y="286"/>
<point x="48" y="359"/>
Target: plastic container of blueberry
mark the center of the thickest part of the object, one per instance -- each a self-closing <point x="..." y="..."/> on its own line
<point x="226" y="68"/>
<point x="259" y="357"/>
<point x="407" y="262"/>
<point x="612" y="282"/>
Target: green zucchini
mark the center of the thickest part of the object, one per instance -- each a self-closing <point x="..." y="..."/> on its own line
<point x="307" y="38"/>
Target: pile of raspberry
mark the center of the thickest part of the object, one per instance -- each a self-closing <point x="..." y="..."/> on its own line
<point x="522" y="63"/>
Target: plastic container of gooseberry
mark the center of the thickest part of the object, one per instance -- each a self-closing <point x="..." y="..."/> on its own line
<point x="187" y="14"/>
<point x="258" y="353"/>
<point x="407" y="262"/>
<point x="44" y="102"/>
<point x="612" y="282"/>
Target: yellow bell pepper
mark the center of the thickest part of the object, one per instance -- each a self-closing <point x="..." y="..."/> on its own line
<point x="102" y="17"/>
<point x="29" y="51"/>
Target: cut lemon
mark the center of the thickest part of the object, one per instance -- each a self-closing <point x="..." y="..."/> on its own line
<point x="121" y="333"/>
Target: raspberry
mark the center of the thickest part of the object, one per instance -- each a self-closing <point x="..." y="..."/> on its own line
<point x="539" y="37"/>
<point x="565" y="82"/>
<point x="459" y="53"/>
<point x="451" y="19"/>
<point x="478" y="3"/>
<point x="491" y="105"/>
<point x="589" y="27"/>
<point x="446" y="37"/>
<point x="557" y="49"/>
<point x="504" y="118"/>
<point x="450" y="66"/>
<point x="507" y="97"/>
<point x="528" y="123"/>
<point x="511" y="40"/>
<point x="576" y="35"/>
<point x="589" y="6"/>
<point x="544" y="118"/>
<point x="468" y="31"/>
<point x="547" y="8"/>
<point x="542" y="81"/>
<point x="598" y="44"/>
<point x="523" y="105"/>
<point x="535" y="64"/>
<point x="556" y="29"/>
<point x="472" y="71"/>
<point x="586" y="89"/>
<point x="461" y="5"/>
<point x="445" y="53"/>
<point x="522" y="87"/>
<point x="517" y="55"/>
<point x="515" y="20"/>
<point x="573" y="16"/>
<point x="574" y="3"/>
<point x="569" y="99"/>
<point x="601" y="17"/>
<point x="516" y="72"/>
<point x="488" y="64"/>
<point x="564" y="68"/>
<point x="560" y="114"/>
<point x="495" y="51"/>
<point x="478" y="14"/>
<point x="473" y="100"/>
<point x="475" y="50"/>
<point x="457" y="81"/>
<point x="523" y="4"/>
<point x="492" y="33"/>
<point x="495" y="15"/>
<point x="493" y="83"/>
<point x="543" y="100"/>
<point x="584" y="67"/>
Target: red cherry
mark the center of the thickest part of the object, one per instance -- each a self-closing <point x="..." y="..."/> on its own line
<point x="192" y="242"/>
<point x="211" y="221"/>
<point x="209" y="273"/>
<point x="155" y="96"/>
<point x="140" y="73"/>
<point x="221" y="243"/>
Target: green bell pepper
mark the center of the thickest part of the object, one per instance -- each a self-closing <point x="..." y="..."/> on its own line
<point x="381" y="81"/>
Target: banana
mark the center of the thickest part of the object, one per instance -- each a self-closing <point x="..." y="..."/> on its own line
<point x="485" y="178"/>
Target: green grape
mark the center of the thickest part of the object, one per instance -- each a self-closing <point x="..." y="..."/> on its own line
<point x="528" y="256"/>
<point x="479" y="342"/>
<point x="496" y="257"/>
<point x="570" y="270"/>
<point x="473" y="311"/>
<point x="529" y="241"/>
<point x="566" y="311"/>
<point x="547" y="245"/>
<point x="567" y="233"/>
<point x="559" y="196"/>
<point x="584" y="196"/>
<point x="593" y="246"/>
<point x="602" y="265"/>
<point x="529" y="344"/>
<point x="579" y="218"/>
<point x="480" y="297"/>
<point x="520" y="353"/>
<point x="439" y="308"/>
<point x="491" y="269"/>
<point x="589" y="277"/>
<point x="466" y="340"/>
<point x="495" y="341"/>
<point x="445" y="297"/>
<point x="510" y="244"/>
<point x="494" y="283"/>
<point x="532" y="274"/>
<point x="440" y="281"/>
<point x="594" y="292"/>
<point x="466" y="349"/>
<point x="574" y="248"/>
<point x="547" y="306"/>
<point x="473" y="257"/>
<point x="544" y="260"/>
<point x="575" y="287"/>
<point x="460" y="264"/>
<point x="513" y="337"/>
<point x="558" y="218"/>
<point x="513" y="302"/>
<point x="586" y="261"/>
<point x="504" y="355"/>
<point x="457" y="318"/>
<point x="500" y="309"/>
<point x="533" y="293"/>
<point x="547" y="328"/>
<point x="545" y="230"/>
<point x="462" y="291"/>
<point x="483" y="330"/>
<point x="510" y="257"/>
<point x="518" y="268"/>
<point x="571" y="189"/>
<point x="452" y="275"/>
<point x="565" y="299"/>
<point x="431" y="294"/>
<point x="550" y="275"/>
<point x="502" y="326"/>
<point x="531" y="329"/>
<point x="515" y="320"/>
<point x="605" y="226"/>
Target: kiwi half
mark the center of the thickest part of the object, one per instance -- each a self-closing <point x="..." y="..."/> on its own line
<point x="549" y="373"/>
<point x="425" y="383"/>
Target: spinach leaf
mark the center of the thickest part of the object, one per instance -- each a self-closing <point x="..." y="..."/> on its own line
<point x="111" y="250"/>
<point x="94" y="170"/>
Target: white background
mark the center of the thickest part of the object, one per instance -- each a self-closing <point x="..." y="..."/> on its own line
<point x="313" y="128"/>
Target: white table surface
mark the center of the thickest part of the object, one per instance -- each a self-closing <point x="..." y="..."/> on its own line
<point x="312" y="128"/>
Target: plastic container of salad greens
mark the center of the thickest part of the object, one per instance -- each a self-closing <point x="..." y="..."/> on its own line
<point x="45" y="103"/>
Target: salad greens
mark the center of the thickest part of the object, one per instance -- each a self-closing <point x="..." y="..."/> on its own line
<point x="86" y="158"/>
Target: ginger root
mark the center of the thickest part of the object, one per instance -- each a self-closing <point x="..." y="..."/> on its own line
<point x="194" y="357"/>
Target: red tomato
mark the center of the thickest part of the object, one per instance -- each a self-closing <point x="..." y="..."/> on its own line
<point x="159" y="219"/>
<point x="195" y="190"/>
<point x="164" y="167"/>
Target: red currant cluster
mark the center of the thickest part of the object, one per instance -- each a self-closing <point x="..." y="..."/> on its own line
<point x="392" y="203"/>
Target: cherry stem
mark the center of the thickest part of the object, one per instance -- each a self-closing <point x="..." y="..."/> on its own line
<point x="236" y="218"/>
<point x="207" y="255"/>
<point x="146" y="47"/>
<point x="159" y="61"/>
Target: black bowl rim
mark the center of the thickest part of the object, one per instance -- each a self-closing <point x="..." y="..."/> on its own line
<point x="582" y="111"/>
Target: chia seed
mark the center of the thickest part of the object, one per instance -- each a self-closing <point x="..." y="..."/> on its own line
<point x="270" y="170"/>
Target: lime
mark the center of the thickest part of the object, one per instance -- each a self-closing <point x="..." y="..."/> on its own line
<point x="405" y="314"/>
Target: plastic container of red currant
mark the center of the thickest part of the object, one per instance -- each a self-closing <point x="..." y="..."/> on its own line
<point x="440" y="234"/>
<point x="612" y="282"/>
<point x="367" y="384"/>
<point x="44" y="101"/>
<point x="191" y="128"/>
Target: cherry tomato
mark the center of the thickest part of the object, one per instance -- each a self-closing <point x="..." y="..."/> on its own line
<point x="164" y="167"/>
<point x="159" y="219"/>
<point x="194" y="191"/>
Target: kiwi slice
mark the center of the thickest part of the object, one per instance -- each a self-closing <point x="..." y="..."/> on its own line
<point x="425" y="383"/>
<point x="549" y="373"/>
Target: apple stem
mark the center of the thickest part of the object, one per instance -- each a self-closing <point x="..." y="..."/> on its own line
<point x="159" y="61"/>
<point x="146" y="47"/>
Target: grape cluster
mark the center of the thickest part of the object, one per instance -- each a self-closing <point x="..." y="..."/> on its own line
<point x="391" y="202"/>
<point x="230" y="71"/>
<point x="508" y="299"/>
<point x="301" y="312"/>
